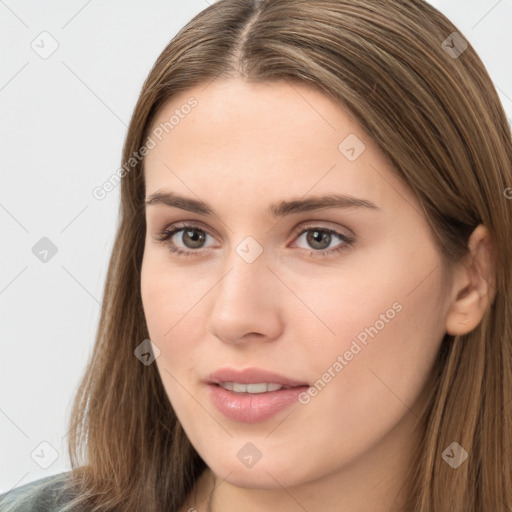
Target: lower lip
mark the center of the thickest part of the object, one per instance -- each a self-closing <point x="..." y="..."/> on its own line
<point x="252" y="408"/>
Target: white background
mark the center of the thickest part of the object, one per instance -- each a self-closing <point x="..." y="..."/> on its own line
<point x="63" y="121"/>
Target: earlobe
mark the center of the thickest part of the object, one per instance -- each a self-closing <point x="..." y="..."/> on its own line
<point x="474" y="288"/>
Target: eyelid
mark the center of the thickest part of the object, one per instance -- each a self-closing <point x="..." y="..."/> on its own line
<point x="310" y="224"/>
<point x="299" y="230"/>
<point x="183" y="225"/>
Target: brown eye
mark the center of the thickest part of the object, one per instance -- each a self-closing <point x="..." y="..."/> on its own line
<point x="320" y="239"/>
<point x="193" y="238"/>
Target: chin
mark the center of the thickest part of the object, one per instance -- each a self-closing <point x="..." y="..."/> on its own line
<point x="254" y="478"/>
<point x="268" y="473"/>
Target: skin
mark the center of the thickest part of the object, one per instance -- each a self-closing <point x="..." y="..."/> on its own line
<point x="241" y="148"/>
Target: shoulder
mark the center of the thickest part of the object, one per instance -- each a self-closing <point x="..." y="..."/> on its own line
<point x="43" y="495"/>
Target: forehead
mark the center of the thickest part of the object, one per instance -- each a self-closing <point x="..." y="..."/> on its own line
<point x="268" y="139"/>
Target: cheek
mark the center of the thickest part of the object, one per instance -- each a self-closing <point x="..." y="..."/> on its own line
<point x="174" y="329"/>
<point x="168" y="298"/>
<point x="369" y="375"/>
<point x="172" y="308"/>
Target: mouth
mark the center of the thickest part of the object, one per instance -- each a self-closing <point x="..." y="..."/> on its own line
<point x="252" y="395"/>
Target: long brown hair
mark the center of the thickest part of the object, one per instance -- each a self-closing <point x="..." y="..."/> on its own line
<point x="429" y="104"/>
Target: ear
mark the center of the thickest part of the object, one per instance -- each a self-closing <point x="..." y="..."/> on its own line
<point x="473" y="285"/>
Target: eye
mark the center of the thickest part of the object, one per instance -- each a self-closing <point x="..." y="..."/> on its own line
<point x="320" y="239"/>
<point x="193" y="237"/>
<point x="191" y="233"/>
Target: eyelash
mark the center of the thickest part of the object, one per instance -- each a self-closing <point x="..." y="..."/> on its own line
<point x="171" y="230"/>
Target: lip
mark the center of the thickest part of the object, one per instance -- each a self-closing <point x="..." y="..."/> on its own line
<point x="251" y="376"/>
<point x="252" y="407"/>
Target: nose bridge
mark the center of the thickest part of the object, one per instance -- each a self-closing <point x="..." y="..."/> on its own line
<point x="245" y="301"/>
<point x="247" y="267"/>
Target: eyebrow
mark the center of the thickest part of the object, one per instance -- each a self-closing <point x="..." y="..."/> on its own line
<point x="279" y="209"/>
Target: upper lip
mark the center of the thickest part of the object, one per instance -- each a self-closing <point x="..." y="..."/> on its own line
<point x="251" y="376"/>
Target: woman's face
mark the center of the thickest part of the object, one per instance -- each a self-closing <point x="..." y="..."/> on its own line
<point x="356" y="315"/>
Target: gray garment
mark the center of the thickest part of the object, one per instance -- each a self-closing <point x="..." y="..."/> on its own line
<point x="43" y="495"/>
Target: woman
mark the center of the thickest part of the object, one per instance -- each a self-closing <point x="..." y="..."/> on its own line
<point x="307" y="305"/>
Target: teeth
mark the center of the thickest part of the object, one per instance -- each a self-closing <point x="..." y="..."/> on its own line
<point x="260" y="387"/>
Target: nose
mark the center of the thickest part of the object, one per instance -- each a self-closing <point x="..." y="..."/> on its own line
<point x="247" y="302"/>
